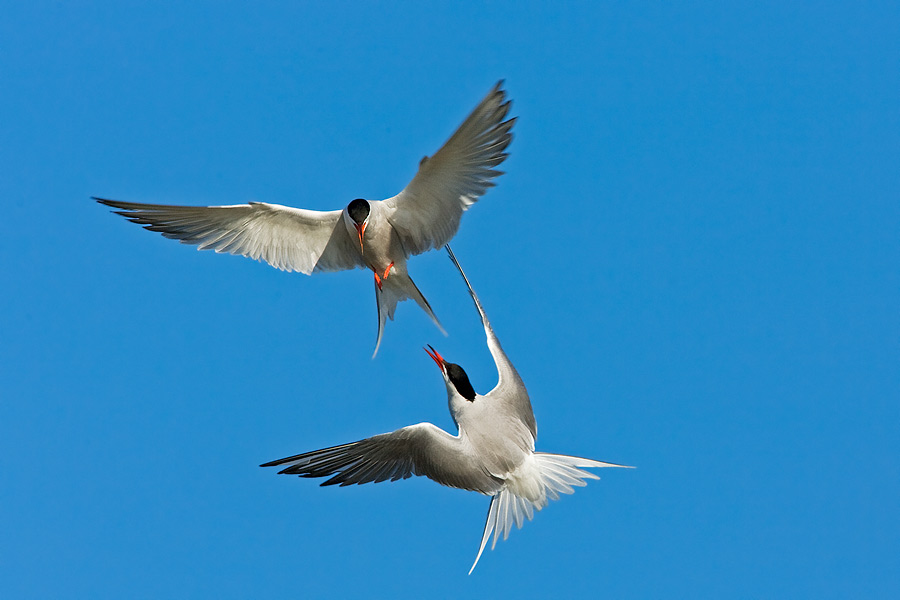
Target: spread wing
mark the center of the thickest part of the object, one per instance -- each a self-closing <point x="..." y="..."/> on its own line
<point x="421" y="449"/>
<point x="510" y="388"/>
<point x="290" y="239"/>
<point x="426" y="213"/>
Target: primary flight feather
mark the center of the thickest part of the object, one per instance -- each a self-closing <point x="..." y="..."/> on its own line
<point x="493" y="452"/>
<point x="379" y="235"/>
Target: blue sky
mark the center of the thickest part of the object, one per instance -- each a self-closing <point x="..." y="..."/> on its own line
<point x="692" y="260"/>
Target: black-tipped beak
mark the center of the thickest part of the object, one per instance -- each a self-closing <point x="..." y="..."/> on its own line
<point x="437" y="358"/>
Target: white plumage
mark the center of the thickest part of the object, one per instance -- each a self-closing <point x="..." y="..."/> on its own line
<point x="380" y="235"/>
<point x="493" y="453"/>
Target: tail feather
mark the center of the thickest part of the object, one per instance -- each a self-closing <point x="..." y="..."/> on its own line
<point x="488" y="528"/>
<point x="384" y="308"/>
<point x="396" y="288"/>
<point x="416" y="295"/>
<point x="559" y="473"/>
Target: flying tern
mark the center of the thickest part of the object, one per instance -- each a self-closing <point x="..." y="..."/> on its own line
<point x="373" y="234"/>
<point x="493" y="452"/>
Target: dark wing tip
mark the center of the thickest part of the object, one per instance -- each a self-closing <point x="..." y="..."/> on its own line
<point x="281" y="461"/>
<point x="497" y="92"/>
<point x="125" y="206"/>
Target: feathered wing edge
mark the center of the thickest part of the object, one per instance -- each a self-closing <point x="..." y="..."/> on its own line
<point x="559" y="473"/>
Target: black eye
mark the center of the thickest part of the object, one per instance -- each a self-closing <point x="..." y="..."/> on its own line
<point x="460" y="381"/>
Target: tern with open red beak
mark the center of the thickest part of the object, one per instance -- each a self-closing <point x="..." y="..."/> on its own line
<point x="493" y="453"/>
<point x="374" y="234"/>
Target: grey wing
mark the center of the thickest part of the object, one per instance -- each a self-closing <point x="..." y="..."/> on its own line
<point x="426" y="213"/>
<point x="290" y="239"/>
<point x="421" y="449"/>
<point x="510" y="387"/>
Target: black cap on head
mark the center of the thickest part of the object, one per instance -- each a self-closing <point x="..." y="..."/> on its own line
<point x="358" y="210"/>
<point x="460" y="381"/>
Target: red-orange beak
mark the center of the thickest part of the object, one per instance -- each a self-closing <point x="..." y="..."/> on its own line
<point x="361" y="230"/>
<point x="436" y="357"/>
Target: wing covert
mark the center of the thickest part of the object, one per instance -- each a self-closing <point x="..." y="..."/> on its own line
<point x="421" y="449"/>
<point x="290" y="239"/>
<point x="426" y="213"/>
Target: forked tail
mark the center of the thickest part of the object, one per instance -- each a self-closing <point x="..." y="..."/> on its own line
<point x="559" y="473"/>
<point x="396" y="288"/>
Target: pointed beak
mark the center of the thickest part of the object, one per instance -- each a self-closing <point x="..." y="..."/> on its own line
<point x="361" y="230"/>
<point x="436" y="357"/>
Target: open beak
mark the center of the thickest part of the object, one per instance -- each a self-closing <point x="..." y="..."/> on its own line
<point x="436" y="357"/>
<point x="361" y="230"/>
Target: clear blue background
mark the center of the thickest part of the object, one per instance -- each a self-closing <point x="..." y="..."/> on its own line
<point x="692" y="260"/>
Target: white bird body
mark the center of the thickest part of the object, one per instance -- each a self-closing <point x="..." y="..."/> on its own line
<point x="493" y="453"/>
<point x="379" y="235"/>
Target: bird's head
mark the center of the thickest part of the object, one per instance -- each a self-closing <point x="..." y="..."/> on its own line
<point x="358" y="211"/>
<point x="454" y="375"/>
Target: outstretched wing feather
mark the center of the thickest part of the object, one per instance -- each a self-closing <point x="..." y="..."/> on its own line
<point x="421" y="449"/>
<point x="290" y="239"/>
<point x="427" y="212"/>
